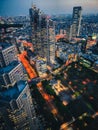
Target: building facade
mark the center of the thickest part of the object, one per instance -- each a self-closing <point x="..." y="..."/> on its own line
<point x="76" y="21"/>
<point x="8" y="53"/>
<point x="43" y="33"/>
<point x="50" y="54"/>
<point x="11" y="70"/>
<point x="11" y="74"/>
<point x="35" y="20"/>
<point x="16" y="108"/>
<point x="41" y="67"/>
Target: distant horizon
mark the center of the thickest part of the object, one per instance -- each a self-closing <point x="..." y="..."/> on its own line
<point x="47" y="14"/>
<point x="51" y="7"/>
<point x="50" y="14"/>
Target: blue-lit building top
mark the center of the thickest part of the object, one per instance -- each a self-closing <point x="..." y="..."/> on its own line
<point x="4" y="45"/>
<point x="11" y="74"/>
<point x="9" y="68"/>
<point x="13" y="92"/>
<point x="8" y="53"/>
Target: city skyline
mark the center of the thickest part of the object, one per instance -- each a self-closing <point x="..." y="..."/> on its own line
<point x="48" y="65"/>
<point x="20" y="7"/>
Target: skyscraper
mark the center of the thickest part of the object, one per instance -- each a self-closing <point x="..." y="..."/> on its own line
<point x="7" y="54"/>
<point x="50" y="55"/>
<point x="76" y="21"/>
<point x="35" y="20"/>
<point x="16" y="107"/>
<point x="11" y="70"/>
<point x="43" y="33"/>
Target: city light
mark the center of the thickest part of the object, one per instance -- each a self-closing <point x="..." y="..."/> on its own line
<point x="49" y="65"/>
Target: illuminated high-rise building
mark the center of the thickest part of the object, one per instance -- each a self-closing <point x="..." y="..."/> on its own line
<point x="76" y="22"/>
<point x="16" y="108"/>
<point x="11" y="70"/>
<point x="50" y="41"/>
<point x="38" y="24"/>
<point x="16" y="105"/>
<point x="8" y="53"/>
<point x="43" y="33"/>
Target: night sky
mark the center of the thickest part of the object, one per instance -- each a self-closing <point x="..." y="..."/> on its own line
<point x="21" y="7"/>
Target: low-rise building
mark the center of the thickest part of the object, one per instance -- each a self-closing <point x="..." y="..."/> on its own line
<point x="41" y="67"/>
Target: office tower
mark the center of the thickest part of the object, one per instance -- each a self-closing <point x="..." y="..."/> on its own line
<point x="51" y="57"/>
<point x="39" y="30"/>
<point x="76" y="22"/>
<point x="70" y="33"/>
<point x="35" y="20"/>
<point x="16" y="108"/>
<point x="43" y="33"/>
<point x="11" y="71"/>
<point x="8" y="53"/>
<point x="11" y="74"/>
<point x="50" y="41"/>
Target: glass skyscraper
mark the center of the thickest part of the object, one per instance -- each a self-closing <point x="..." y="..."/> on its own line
<point x="76" y="22"/>
<point x="43" y="33"/>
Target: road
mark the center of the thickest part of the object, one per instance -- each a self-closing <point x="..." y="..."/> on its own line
<point x="49" y="102"/>
<point x="30" y="71"/>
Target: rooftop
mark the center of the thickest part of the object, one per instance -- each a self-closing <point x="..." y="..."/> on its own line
<point x="96" y="62"/>
<point x="13" y="92"/>
<point x="4" y="45"/>
<point x="91" y="57"/>
<point x="8" y="68"/>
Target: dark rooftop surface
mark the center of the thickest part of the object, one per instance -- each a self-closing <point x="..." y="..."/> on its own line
<point x="13" y="93"/>
<point x="30" y="53"/>
<point x="10" y="67"/>
<point x="4" y="45"/>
